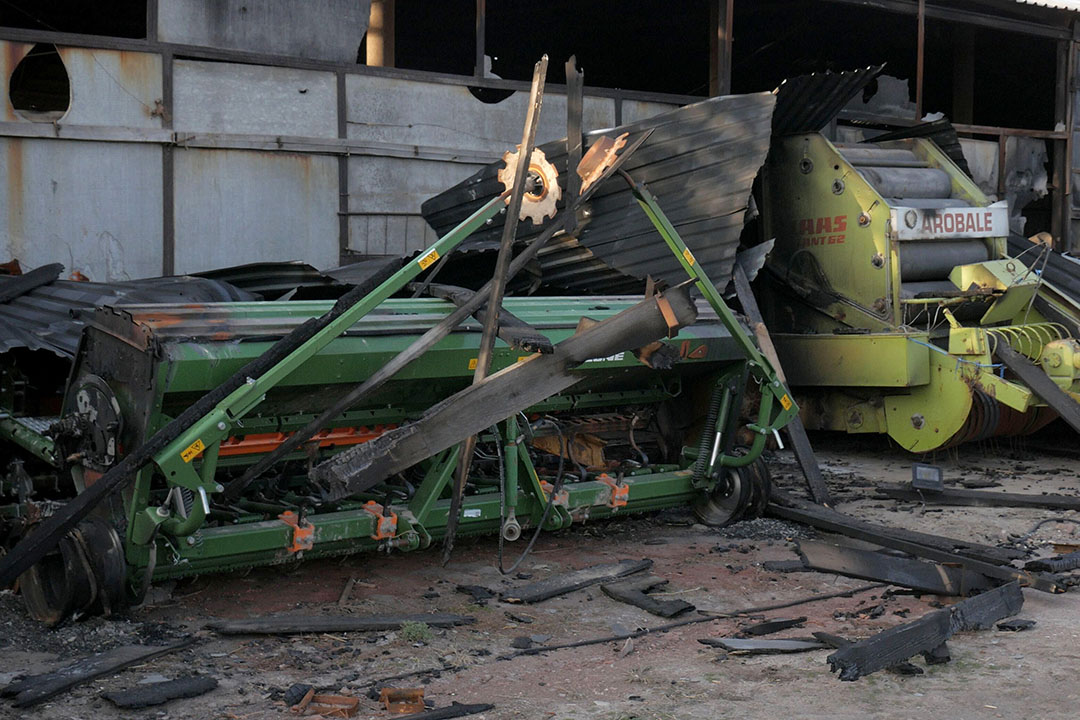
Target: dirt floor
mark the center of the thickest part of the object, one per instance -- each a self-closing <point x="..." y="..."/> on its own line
<point x="664" y="675"/>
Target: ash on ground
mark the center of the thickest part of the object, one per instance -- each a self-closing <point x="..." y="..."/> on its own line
<point x="765" y="529"/>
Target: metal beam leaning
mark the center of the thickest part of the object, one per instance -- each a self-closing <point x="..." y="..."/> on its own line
<point x="825" y="519"/>
<point x="926" y="634"/>
<point x="907" y="572"/>
<point x="498" y="285"/>
<point x="1041" y="384"/>
<point x="18" y="285"/>
<point x="425" y="342"/>
<point x="511" y="329"/>
<point x="796" y="431"/>
<point x="499" y="396"/>
<point x="979" y="498"/>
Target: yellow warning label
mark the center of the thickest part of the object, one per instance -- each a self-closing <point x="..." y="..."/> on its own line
<point x="690" y="259"/>
<point x="192" y="451"/>
<point x="523" y="357"/>
<point x="785" y="401"/>
<point x="425" y="260"/>
<point x="472" y="364"/>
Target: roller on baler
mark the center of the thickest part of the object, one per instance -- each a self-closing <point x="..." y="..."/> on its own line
<point x="148" y="471"/>
<point x="893" y="302"/>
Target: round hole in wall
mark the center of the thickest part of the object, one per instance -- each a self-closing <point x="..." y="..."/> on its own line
<point x="39" y="88"/>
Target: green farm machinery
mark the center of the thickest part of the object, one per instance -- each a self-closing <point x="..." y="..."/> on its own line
<point x="201" y="437"/>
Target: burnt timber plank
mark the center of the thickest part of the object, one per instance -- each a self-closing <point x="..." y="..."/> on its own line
<point x="159" y="693"/>
<point x="1061" y="563"/>
<point x="908" y="572"/>
<point x="927" y="634"/>
<point x="498" y="396"/>
<point x="1041" y="384"/>
<point x="769" y="627"/>
<point x="568" y="582"/>
<point x="837" y="642"/>
<point x="511" y="329"/>
<point x="454" y="710"/>
<point x="751" y="646"/>
<point x="293" y="624"/>
<point x="795" y="430"/>
<point x="37" y="688"/>
<point x="825" y="519"/>
<point x="635" y="592"/>
<point x="863" y="530"/>
<point x="980" y="498"/>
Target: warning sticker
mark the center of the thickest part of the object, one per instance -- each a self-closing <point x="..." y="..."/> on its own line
<point x="690" y="259"/>
<point x="192" y="451"/>
<point x="785" y="401"/>
<point x="472" y="364"/>
<point x="425" y="260"/>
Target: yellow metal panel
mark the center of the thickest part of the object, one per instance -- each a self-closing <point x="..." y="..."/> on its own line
<point x="870" y="360"/>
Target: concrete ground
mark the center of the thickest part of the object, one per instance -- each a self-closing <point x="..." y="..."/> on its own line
<point x="663" y="675"/>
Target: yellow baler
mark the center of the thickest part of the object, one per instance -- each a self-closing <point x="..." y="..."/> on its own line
<point x="889" y="288"/>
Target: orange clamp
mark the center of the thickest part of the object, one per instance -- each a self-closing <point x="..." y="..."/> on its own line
<point x="385" y="525"/>
<point x="303" y="534"/>
<point x="619" y="493"/>
<point x="563" y="498"/>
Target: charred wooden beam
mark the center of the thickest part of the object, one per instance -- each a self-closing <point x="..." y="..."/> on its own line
<point x="980" y="498"/>
<point x="499" y="396"/>
<point x="796" y="432"/>
<point x="635" y="592"/>
<point x="158" y="693"/>
<point x="915" y="574"/>
<point x="15" y="286"/>
<point x="768" y="627"/>
<point x="39" y="688"/>
<point x="576" y="580"/>
<point x="511" y="329"/>
<point x="932" y="547"/>
<point x="927" y="634"/>
<point x="453" y="710"/>
<point x="294" y="624"/>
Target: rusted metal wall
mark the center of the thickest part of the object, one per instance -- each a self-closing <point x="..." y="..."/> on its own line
<point x="183" y="164"/>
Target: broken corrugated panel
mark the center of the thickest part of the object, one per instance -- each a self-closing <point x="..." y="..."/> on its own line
<point x="700" y="161"/>
<point x="807" y="103"/>
<point x="50" y="317"/>
<point x="941" y="132"/>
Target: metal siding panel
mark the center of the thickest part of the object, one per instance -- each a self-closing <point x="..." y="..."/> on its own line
<point x="358" y="234"/>
<point x="399" y="185"/>
<point x="412" y="112"/>
<point x="96" y="207"/>
<point x="314" y="29"/>
<point x="253" y="100"/>
<point x="235" y="206"/>
<point x="112" y="87"/>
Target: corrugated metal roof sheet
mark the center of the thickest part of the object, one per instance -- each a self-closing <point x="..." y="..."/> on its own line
<point x="808" y="102"/>
<point x="1057" y="4"/>
<point x="49" y="317"/>
<point x="700" y="162"/>
<point x="941" y="132"/>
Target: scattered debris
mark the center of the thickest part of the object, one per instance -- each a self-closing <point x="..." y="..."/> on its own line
<point x="479" y="593"/>
<point x="748" y="646"/>
<point x="346" y="593"/>
<point x="327" y="706"/>
<point x="576" y="580"/>
<point x="158" y="693"/>
<point x="293" y="624"/>
<point x="1015" y="625"/>
<point x="635" y="592"/>
<point x="37" y="688"/>
<point x="402" y="700"/>
<point x="926" y="634"/>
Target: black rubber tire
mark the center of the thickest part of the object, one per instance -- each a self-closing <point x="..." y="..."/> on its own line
<point x="727" y="501"/>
